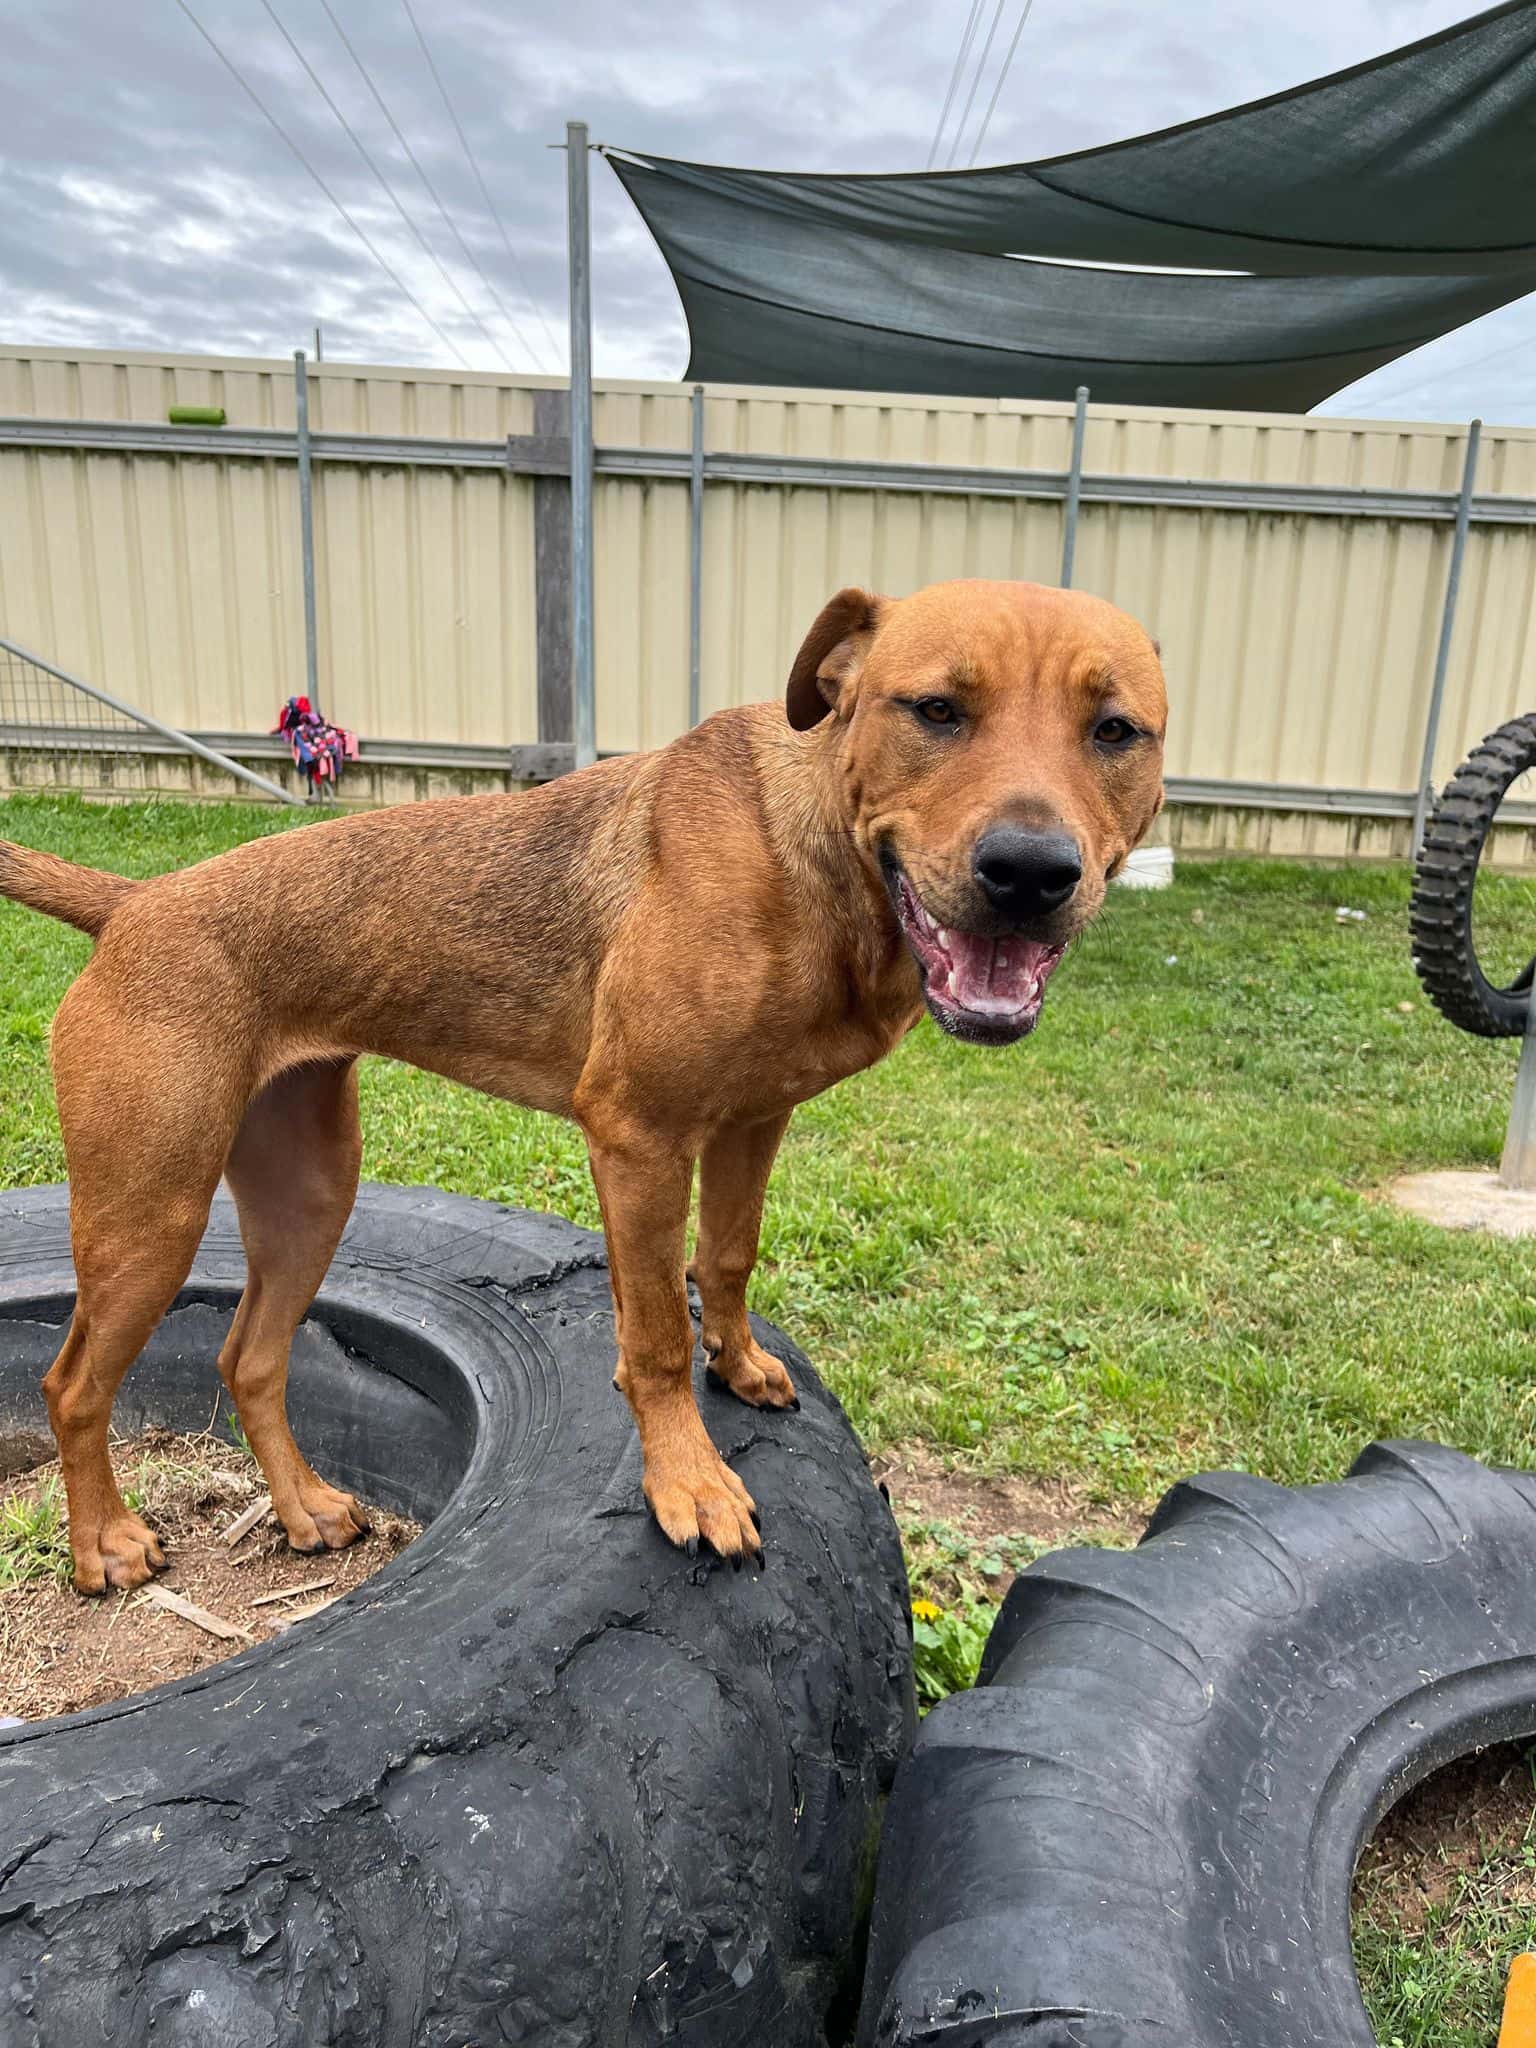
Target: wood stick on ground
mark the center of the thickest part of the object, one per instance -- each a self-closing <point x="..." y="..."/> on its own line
<point x="245" y="1522"/>
<point x="294" y="1592"/>
<point x="303" y="1613"/>
<point x="214" y="1624"/>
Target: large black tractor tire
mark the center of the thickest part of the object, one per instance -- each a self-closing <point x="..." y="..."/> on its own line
<point x="543" y="1779"/>
<point x="1140" y="1830"/>
<point x="1444" y="876"/>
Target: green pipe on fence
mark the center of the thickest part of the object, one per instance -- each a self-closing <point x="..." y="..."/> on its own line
<point x="196" y="415"/>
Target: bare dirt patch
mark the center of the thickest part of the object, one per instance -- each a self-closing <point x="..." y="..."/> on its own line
<point x="967" y="1535"/>
<point x="1467" y="1830"/>
<point x="60" y="1653"/>
<point x="1047" y="1512"/>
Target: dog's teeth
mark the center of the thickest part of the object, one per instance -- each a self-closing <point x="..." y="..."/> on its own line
<point x="942" y="936"/>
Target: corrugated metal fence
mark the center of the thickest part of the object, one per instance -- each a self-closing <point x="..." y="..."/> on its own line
<point x="1298" y="609"/>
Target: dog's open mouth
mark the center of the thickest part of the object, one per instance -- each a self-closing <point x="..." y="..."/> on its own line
<point x="986" y="989"/>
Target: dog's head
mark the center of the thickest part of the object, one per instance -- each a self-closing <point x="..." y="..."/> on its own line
<point x="1000" y="752"/>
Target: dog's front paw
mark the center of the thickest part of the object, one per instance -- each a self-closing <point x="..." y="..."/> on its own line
<point x="120" y="1553"/>
<point x="752" y="1374"/>
<point x="696" y="1497"/>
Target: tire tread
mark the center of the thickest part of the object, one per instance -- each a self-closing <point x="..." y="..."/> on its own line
<point x="1445" y="874"/>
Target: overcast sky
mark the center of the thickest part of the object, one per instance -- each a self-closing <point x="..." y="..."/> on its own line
<point x="148" y="204"/>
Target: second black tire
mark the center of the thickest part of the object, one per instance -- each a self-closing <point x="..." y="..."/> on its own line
<point x="1139" y="1831"/>
<point x="1444" y="883"/>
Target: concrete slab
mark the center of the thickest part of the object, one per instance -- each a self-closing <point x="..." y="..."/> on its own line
<point x="1468" y="1200"/>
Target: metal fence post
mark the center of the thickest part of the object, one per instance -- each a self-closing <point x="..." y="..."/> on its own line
<point x="1426" y="790"/>
<point x="552" y="576"/>
<point x="1517" y="1167"/>
<point x="583" y="657"/>
<point x="306" y="527"/>
<point x="1074" y="487"/>
<point x="696" y="555"/>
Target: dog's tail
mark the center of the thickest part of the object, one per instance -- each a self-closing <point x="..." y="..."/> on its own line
<point x="83" y="897"/>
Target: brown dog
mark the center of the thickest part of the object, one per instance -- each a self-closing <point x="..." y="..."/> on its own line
<point x="674" y="949"/>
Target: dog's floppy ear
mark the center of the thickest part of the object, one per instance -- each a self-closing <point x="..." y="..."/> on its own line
<point x="831" y="656"/>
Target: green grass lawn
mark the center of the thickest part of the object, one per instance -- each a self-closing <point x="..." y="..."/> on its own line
<point x="1148" y="1240"/>
<point x="1145" y="1240"/>
<point x="1440" y="1985"/>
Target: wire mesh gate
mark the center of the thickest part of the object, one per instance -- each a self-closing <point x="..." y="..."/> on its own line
<point x="60" y="732"/>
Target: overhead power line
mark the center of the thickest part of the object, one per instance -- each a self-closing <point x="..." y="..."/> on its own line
<point x="485" y="193"/>
<point x="361" y="233"/>
<point x="394" y="199"/>
<point x="986" y="119"/>
<point x="447" y="219"/>
<point x="967" y="35"/>
<point x="970" y="98"/>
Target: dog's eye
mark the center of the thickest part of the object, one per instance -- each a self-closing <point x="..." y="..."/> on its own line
<point x="936" y="711"/>
<point x="1114" y="732"/>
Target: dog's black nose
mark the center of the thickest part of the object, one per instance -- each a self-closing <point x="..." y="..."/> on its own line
<point x="1024" y="873"/>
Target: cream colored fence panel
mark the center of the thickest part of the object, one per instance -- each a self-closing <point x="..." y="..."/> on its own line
<point x="165" y="580"/>
<point x="174" y="580"/>
<point x="1299" y="645"/>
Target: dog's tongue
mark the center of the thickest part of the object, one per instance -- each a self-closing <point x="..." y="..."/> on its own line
<point x="996" y="983"/>
<point x="994" y="975"/>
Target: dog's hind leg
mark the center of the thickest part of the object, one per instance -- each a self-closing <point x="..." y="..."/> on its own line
<point x="293" y="1173"/>
<point x="733" y="1175"/>
<point x="130" y="1260"/>
<point x="145" y="1143"/>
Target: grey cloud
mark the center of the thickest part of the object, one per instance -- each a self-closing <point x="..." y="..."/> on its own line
<point x="147" y="203"/>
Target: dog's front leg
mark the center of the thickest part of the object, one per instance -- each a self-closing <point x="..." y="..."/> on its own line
<point x="643" y="1180"/>
<point x="733" y="1176"/>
